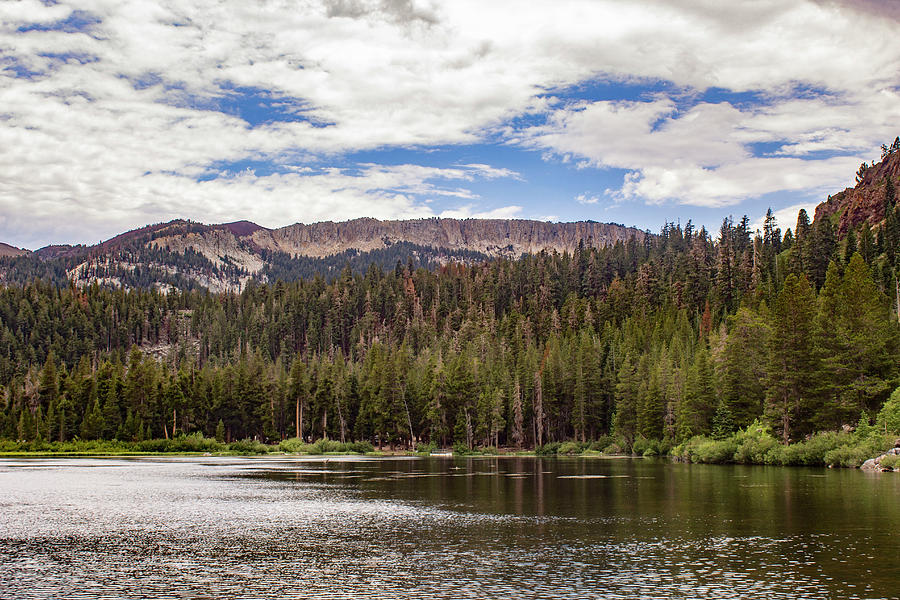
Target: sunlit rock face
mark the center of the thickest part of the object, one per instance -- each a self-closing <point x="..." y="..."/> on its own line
<point x="865" y="202"/>
<point x="494" y="237"/>
<point x="227" y="256"/>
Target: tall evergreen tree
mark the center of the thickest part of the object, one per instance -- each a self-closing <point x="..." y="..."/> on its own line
<point x="793" y="357"/>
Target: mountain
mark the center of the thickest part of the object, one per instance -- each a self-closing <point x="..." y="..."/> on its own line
<point x="491" y="237"/>
<point x="183" y="254"/>
<point x="866" y="201"/>
<point x="6" y="250"/>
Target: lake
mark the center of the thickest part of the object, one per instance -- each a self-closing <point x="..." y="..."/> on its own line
<point x="507" y="527"/>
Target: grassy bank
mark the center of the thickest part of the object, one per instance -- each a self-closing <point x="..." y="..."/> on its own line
<point x="187" y="444"/>
<point x="755" y="445"/>
<point x="752" y="445"/>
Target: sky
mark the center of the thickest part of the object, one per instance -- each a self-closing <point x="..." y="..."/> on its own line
<point x="119" y="113"/>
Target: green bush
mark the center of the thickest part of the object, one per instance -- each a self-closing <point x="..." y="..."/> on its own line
<point x="890" y="462"/>
<point x="756" y="445"/>
<point x="461" y="449"/>
<point x="10" y="446"/>
<point x="651" y="447"/>
<point x="847" y="456"/>
<point x="888" y="419"/>
<point x="426" y="448"/>
<point x="248" y="447"/>
<point x="700" y="449"/>
<point x="571" y="448"/>
<point x="153" y="446"/>
<point x="363" y="447"/>
<point x="613" y="448"/>
<point x="293" y="445"/>
<point x="859" y="450"/>
<point x="549" y="449"/>
<point x="323" y="446"/>
<point x="641" y="445"/>
<point x="813" y="451"/>
<point x="716" y="451"/>
<point x="601" y="443"/>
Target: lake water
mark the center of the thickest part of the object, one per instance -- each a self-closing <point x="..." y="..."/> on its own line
<point x="443" y="528"/>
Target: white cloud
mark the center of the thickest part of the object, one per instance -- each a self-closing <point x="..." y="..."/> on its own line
<point x="32" y="11"/>
<point x="470" y="211"/>
<point x="117" y="120"/>
<point x="702" y="156"/>
<point x="786" y="218"/>
<point x="401" y="191"/>
<point x="586" y="198"/>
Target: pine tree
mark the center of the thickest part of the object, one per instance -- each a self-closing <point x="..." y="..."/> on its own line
<point x="49" y="384"/>
<point x="850" y="247"/>
<point x="651" y="409"/>
<point x="699" y="402"/>
<point x="858" y="337"/>
<point x="112" y="418"/>
<point x="26" y="429"/>
<point x="793" y="358"/>
<point x="298" y="391"/>
<point x="627" y="390"/>
<point x="867" y="243"/>
<point x="723" y="422"/>
<point x="743" y="366"/>
<point x="580" y="404"/>
<point x="92" y="425"/>
<point x="517" y="434"/>
<point x="435" y="409"/>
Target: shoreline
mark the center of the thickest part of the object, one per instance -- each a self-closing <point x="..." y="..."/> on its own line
<point x="393" y="454"/>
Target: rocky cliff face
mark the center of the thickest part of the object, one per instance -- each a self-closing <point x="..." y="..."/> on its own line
<point x="865" y="202"/>
<point x="240" y="243"/>
<point x="494" y="237"/>
<point x="226" y="256"/>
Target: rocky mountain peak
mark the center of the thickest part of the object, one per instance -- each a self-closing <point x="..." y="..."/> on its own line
<point x="866" y="201"/>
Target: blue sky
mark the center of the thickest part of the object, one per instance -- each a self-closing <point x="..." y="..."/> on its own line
<point x="117" y="114"/>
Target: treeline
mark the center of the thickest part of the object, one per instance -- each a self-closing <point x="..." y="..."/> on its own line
<point x="671" y="337"/>
<point x="281" y="266"/>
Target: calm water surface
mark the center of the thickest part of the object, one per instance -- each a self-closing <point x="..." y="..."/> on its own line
<point x="443" y="528"/>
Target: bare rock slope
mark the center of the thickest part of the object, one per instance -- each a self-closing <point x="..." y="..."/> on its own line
<point x="494" y="237"/>
<point x="866" y="201"/>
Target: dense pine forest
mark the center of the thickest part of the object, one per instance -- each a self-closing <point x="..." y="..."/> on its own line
<point x="638" y="346"/>
<point x="670" y="338"/>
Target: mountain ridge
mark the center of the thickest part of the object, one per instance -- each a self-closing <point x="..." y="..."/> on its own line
<point x="6" y="250"/>
<point x="226" y="256"/>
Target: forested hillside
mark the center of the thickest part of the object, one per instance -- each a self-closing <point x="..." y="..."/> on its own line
<point x="184" y="255"/>
<point x="671" y="337"/>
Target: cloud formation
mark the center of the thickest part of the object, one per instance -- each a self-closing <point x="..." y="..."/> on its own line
<point x="114" y="113"/>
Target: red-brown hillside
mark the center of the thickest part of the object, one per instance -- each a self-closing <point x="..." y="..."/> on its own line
<point x="7" y="250"/>
<point x="865" y="202"/>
